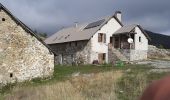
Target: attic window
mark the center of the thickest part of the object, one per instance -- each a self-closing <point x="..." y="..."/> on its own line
<point x="3" y="19"/>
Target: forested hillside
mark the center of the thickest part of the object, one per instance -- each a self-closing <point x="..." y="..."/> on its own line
<point x="159" y="40"/>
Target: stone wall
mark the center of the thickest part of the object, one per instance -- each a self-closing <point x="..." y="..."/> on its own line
<point x="111" y="56"/>
<point x="22" y="56"/>
<point x="73" y="52"/>
<point x="130" y="55"/>
<point x="138" y="55"/>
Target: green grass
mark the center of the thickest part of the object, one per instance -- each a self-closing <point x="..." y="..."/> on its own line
<point x="61" y="73"/>
<point x="133" y="82"/>
<point x="135" y="78"/>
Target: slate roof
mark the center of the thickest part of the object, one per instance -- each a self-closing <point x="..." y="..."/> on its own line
<point x="78" y="33"/>
<point x="26" y="28"/>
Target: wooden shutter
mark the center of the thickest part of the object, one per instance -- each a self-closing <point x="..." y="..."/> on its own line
<point x="99" y="37"/>
<point x="104" y="35"/>
<point x="100" y="59"/>
<point x="103" y="56"/>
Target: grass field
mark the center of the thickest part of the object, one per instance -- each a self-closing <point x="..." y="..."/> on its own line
<point x="92" y="83"/>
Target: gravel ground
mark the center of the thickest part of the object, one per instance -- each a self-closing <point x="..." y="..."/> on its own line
<point x="159" y="65"/>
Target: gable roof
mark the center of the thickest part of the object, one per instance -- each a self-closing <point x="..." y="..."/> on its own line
<point x="26" y="28"/>
<point x="125" y="29"/>
<point x="81" y="32"/>
<point x="130" y="28"/>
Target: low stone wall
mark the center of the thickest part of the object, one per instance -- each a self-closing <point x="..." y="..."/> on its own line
<point x="126" y="53"/>
<point x="130" y="55"/>
<point x="138" y="55"/>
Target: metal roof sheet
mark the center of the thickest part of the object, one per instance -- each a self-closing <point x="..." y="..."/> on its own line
<point x="75" y="33"/>
<point x="125" y="29"/>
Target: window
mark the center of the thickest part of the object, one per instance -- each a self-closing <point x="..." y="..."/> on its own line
<point x="102" y="37"/>
<point x="139" y="39"/>
<point x="11" y="75"/>
<point x="3" y="19"/>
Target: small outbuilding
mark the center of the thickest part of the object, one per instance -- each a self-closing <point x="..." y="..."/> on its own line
<point x="23" y="55"/>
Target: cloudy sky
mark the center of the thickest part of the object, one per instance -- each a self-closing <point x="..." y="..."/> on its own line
<point x="51" y="15"/>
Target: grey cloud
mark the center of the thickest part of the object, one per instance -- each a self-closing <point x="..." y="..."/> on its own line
<point x="51" y="15"/>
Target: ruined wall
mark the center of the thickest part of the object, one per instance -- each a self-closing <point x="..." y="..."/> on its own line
<point x="73" y="52"/>
<point x="22" y="56"/>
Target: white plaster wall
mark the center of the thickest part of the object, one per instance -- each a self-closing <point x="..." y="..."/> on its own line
<point x="111" y="27"/>
<point x="143" y="45"/>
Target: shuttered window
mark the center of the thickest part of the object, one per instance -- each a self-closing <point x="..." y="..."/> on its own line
<point x="139" y="39"/>
<point x="102" y="37"/>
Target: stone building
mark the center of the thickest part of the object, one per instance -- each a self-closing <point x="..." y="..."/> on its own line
<point x="23" y="55"/>
<point x="101" y="41"/>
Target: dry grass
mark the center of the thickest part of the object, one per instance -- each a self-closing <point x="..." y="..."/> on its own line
<point x="99" y="86"/>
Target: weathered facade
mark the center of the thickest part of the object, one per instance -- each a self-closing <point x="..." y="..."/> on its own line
<point x="22" y="55"/>
<point x="73" y="52"/>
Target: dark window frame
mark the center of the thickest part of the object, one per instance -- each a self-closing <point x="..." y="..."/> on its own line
<point x="140" y="39"/>
<point x="101" y="37"/>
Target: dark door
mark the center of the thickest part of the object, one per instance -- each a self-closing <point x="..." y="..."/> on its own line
<point x="116" y="42"/>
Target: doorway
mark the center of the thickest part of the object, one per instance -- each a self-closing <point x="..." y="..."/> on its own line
<point x="102" y="58"/>
<point x="116" y="42"/>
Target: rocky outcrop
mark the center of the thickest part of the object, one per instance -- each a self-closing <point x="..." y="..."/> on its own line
<point x="155" y="52"/>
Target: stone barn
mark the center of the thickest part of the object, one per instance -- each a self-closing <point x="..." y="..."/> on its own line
<point x="23" y="55"/>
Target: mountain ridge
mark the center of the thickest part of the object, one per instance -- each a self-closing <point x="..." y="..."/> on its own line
<point x="159" y="40"/>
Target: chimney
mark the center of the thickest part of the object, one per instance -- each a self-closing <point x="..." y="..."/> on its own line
<point x="118" y="14"/>
<point x="76" y="24"/>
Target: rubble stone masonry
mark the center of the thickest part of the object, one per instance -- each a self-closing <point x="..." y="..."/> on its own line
<point x="22" y="56"/>
<point x="73" y="52"/>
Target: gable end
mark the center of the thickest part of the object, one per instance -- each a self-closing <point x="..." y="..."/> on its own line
<point x="26" y="28"/>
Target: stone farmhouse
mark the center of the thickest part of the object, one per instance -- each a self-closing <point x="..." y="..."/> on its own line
<point x="102" y="41"/>
<point x="23" y="55"/>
